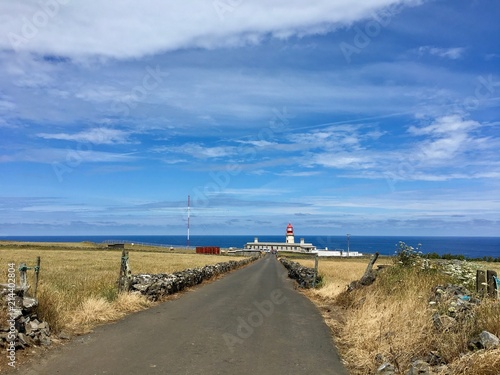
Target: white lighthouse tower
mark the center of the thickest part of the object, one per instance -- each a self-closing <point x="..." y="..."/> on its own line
<point x="289" y="234"/>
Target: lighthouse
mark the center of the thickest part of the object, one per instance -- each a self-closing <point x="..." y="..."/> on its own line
<point x="289" y="234"/>
<point x="288" y="245"/>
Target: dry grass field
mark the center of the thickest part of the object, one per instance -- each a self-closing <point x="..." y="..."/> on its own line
<point x="392" y="319"/>
<point x="78" y="281"/>
<point x="337" y="274"/>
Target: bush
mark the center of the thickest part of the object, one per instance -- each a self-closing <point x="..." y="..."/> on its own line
<point x="407" y="255"/>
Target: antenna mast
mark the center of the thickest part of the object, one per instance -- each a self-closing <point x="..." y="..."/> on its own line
<point x="189" y="212"/>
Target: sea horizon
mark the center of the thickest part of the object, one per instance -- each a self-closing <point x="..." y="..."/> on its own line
<point x="469" y="246"/>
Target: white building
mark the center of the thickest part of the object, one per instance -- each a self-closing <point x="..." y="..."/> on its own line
<point x="288" y="245"/>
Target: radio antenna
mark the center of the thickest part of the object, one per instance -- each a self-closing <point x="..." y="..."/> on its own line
<point x="189" y="217"/>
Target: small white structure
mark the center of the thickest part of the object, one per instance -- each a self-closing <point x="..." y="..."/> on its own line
<point x="288" y="245"/>
<point x="337" y="253"/>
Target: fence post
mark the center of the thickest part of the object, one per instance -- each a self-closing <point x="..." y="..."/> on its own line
<point x="37" y="271"/>
<point x="125" y="273"/>
<point x="315" y="270"/>
<point x="481" y="283"/>
<point x="492" y="285"/>
<point x="23" y="277"/>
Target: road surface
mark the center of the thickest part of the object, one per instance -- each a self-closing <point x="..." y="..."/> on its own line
<point x="251" y="321"/>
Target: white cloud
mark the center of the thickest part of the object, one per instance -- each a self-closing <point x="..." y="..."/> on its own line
<point x="104" y="136"/>
<point x="292" y="173"/>
<point x="71" y="158"/>
<point x="259" y="143"/>
<point x="448" y="148"/>
<point x="6" y="105"/>
<point x="454" y="53"/>
<point x="448" y="137"/>
<point x="342" y="161"/>
<point x="450" y="124"/>
<point x="197" y="151"/>
<point x="126" y="28"/>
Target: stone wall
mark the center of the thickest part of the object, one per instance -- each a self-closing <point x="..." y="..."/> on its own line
<point x="303" y="275"/>
<point x="155" y="286"/>
<point x="22" y="326"/>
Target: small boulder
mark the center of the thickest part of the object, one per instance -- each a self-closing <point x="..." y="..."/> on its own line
<point x="488" y="340"/>
<point x="63" y="335"/>
<point x="485" y="340"/>
<point x="419" y="368"/>
<point x="386" y="369"/>
<point x="29" y="304"/>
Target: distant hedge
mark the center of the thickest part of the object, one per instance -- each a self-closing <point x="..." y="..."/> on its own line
<point x="460" y="257"/>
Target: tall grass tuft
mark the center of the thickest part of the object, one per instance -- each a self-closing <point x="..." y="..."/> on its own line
<point x="488" y="316"/>
<point x="389" y="319"/>
<point x="478" y="363"/>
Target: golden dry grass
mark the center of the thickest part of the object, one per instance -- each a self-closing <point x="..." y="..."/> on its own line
<point x="337" y="274"/>
<point x="478" y="363"/>
<point x="393" y="319"/>
<point x="78" y="282"/>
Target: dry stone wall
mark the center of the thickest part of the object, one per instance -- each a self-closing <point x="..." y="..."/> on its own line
<point x="303" y="275"/>
<point x="22" y="328"/>
<point x="155" y="286"/>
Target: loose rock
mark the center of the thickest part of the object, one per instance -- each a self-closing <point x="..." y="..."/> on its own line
<point x="419" y="368"/>
<point x="485" y="340"/>
<point x="386" y="369"/>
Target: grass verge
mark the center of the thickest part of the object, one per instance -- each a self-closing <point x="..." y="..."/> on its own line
<point x="78" y="282"/>
<point x="392" y="320"/>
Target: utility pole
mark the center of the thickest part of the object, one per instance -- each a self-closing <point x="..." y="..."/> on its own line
<point x="189" y="207"/>
<point x="348" y="236"/>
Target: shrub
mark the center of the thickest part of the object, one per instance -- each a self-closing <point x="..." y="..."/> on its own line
<point x="407" y="255"/>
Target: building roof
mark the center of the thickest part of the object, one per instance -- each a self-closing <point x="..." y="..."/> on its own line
<point x="279" y="244"/>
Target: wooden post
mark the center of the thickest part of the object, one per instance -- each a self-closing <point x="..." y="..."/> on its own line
<point x="481" y="288"/>
<point x="23" y="277"/>
<point x="369" y="277"/>
<point x="37" y="271"/>
<point x="492" y="285"/>
<point x="315" y="270"/>
<point x="125" y="273"/>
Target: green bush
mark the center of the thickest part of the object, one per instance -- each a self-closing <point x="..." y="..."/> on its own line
<point x="406" y="255"/>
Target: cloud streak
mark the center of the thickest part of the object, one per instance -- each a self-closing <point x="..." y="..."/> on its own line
<point x="453" y="53"/>
<point x="122" y="29"/>
<point x="98" y="136"/>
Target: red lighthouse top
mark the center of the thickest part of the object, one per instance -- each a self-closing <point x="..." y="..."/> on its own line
<point x="289" y="229"/>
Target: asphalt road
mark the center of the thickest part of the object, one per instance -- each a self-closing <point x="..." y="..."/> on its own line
<point x="251" y="321"/>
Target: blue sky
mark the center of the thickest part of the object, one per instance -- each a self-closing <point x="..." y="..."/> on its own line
<point x="369" y="118"/>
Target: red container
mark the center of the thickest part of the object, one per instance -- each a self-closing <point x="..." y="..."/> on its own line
<point x="215" y="250"/>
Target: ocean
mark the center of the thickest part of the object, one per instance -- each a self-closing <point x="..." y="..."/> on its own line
<point x="473" y="247"/>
